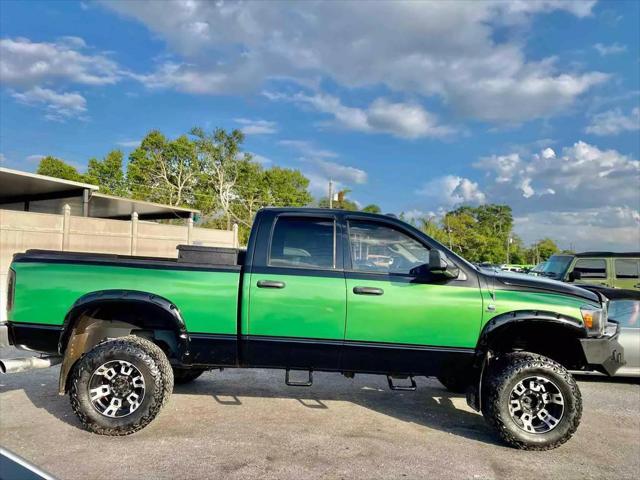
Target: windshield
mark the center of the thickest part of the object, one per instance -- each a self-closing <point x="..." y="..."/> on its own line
<point x="556" y="266"/>
<point x="539" y="268"/>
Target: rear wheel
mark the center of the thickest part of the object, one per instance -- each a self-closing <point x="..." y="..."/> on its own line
<point x="120" y="386"/>
<point x="186" y="375"/>
<point x="531" y="401"/>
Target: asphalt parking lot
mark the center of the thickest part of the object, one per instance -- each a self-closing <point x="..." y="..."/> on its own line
<point x="248" y="424"/>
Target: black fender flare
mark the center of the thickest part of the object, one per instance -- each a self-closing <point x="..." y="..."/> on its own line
<point x="519" y="317"/>
<point x="500" y="323"/>
<point x="100" y="298"/>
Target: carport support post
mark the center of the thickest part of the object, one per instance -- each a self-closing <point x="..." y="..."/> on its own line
<point x="85" y="202"/>
<point x="190" y="229"/>
<point x="134" y="233"/>
<point x="66" y="225"/>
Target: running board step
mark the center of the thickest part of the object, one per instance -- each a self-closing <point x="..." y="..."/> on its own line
<point x="402" y="388"/>
<point x="290" y="383"/>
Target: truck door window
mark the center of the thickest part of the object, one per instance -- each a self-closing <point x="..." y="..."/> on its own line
<point x="627" y="268"/>
<point x="591" y="268"/>
<point x="303" y="243"/>
<point x="378" y="248"/>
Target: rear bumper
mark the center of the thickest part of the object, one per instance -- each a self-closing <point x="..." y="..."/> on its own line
<point x="34" y="337"/>
<point x="604" y="354"/>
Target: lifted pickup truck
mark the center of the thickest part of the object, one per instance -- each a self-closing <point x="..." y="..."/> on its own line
<point x="315" y="290"/>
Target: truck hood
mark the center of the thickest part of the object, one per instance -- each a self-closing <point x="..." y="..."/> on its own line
<point x="517" y="281"/>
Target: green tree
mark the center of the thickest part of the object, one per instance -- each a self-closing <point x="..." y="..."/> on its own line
<point x="287" y="188"/>
<point x="164" y="171"/>
<point x="429" y="225"/>
<point x="54" y="167"/>
<point x="256" y="188"/>
<point x="107" y="174"/>
<point x="372" y="208"/>
<point x="218" y="154"/>
<point x="478" y="233"/>
<point x="542" y="250"/>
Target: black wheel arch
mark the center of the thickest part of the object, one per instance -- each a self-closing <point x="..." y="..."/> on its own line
<point x="548" y="333"/>
<point x="159" y="313"/>
<point x="113" y="313"/>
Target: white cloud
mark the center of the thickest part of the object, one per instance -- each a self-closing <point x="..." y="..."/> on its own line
<point x="613" y="122"/>
<point x="581" y="195"/>
<point x="24" y="63"/>
<point x="503" y="166"/>
<point x="583" y="176"/>
<point x="405" y="120"/>
<point x="257" y="127"/>
<point x="236" y="47"/>
<point x="602" y="228"/>
<point x="58" y="106"/>
<point x="451" y="190"/>
<point x="319" y="169"/>
<point x="342" y="173"/>
<point x="612" y="49"/>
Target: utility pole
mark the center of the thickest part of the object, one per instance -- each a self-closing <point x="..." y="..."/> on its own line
<point x="330" y="193"/>
<point x="509" y="240"/>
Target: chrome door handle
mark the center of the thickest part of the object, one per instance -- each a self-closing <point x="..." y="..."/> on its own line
<point x="270" y="284"/>
<point x="368" y="291"/>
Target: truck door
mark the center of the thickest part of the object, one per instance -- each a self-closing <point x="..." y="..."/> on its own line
<point x="394" y="322"/>
<point x="297" y="304"/>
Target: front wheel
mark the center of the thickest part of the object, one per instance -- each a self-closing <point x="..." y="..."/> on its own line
<point x="120" y="386"/>
<point x="531" y="401"/>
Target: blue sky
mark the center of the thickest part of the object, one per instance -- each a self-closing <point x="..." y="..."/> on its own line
<point x="418" y="107"/>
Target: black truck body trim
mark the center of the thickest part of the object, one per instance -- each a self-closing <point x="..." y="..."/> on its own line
<point x="261" y="351"/>
<point x="352" y="356"/>
<point x="213" y="350"/>
<point x="47" y="256"/>
<point x="35" y="336"/>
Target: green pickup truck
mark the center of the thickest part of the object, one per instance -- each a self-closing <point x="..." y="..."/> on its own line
<point x="316" y="290"/>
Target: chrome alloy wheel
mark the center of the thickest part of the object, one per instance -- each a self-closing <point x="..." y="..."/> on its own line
<point x="536" y="404"/>
<point x="116" y="389"/>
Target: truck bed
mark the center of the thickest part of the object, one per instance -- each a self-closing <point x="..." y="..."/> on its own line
<point x="206" y="293"/>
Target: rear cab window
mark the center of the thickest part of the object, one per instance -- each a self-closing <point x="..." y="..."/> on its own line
<point x="303" y="242"/>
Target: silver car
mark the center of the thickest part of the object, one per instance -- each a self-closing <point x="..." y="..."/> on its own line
<point x="627" y="314"/>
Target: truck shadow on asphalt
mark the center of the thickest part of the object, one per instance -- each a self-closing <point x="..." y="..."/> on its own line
<point x="430" y="406"/>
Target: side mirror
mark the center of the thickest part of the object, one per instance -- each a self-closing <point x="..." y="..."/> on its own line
<point x="575" y="275"/>
<point x="439" y="266"/>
